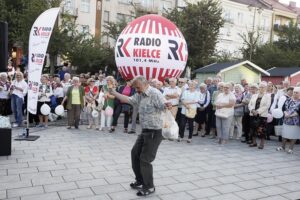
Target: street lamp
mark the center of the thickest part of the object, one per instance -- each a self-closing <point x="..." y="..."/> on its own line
<point x="259" y="11"/>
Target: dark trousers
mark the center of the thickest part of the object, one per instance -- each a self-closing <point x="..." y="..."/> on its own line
<point x="178" y="116"/>
<point x="208" y="123"/>
<point x="143" y="153"/>
<point x="183" y="122"/>
<point x="246" y="126"/>
<point x="116" y="115"/>
<point x="74" y="115"/>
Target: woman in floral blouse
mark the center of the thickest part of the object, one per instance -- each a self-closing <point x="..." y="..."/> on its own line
<point x="291" y="128"/>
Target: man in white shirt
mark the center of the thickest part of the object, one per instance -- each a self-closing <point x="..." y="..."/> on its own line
<point x="18" y="90"/>
<point x="172" y="94"/>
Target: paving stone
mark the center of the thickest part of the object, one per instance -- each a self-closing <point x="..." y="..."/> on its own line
<point x="44" y="181"/>
<point x="228" y="179"/>
<point x="205" y="183"/>
<point x="47" y="196"/>
<point x="119" y="179"/>
<point x="108" y="189"/>
<point x="18" y="184"/>
<point x="249" y="184"/>
<point x="227" y="188"/>
<point x="164" y="181"/>
<point x="203" y="193"/>
<point x="177" y="196"/>
<point x="25" y="191"/>
<point x="60" y="187"/>
<point x="3" y="194"/>
<point x="277" y="197"/>
<point x="225" y="197"/>
<point x="22" y="170"/>
<point x="10" y="178"/>
<point x="292" y="195"/>
<point x="180" y="187"/>
<point x="95" y="197"/>
<point x="271" y="181"/>
<point x="251" y="194"/>
<point x="69" y="194"/>
<point x="273" y="190"/>
<point x="123" y="195"/>
<point x="294" y="186"/>
<point x="90" y="183"/>
<point x="78" y="177"/>
<point x="42" y="175"/>
<point x="65" y="172"/>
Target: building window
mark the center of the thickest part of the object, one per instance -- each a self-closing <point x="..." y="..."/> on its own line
<point x="125" y="1"/>
<point x="69" y="6"/>
<point x="147" y="3"/>
<point x="166" y="6"/>
<point x="85" y="6"/>
<point x="85" y="29"/>
<point x="124" y="18"/>
<point x="106" y="16"/>
<point x="240" y="18"/>
<point x="227" y="16"/>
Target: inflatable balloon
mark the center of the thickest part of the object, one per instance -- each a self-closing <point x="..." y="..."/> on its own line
<point x="269" y="118"/>
<point x="45" y="109"/>
<point x="277" y="113"/>
<point x="109" y="111"/>
<point x="151" y="46"/>
<point x="95" y="113"/>
<point x="59" y="110"/>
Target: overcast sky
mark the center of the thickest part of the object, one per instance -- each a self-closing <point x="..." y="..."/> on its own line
<point x="287" y="1"/>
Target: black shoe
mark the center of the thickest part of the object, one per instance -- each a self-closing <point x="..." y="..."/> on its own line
<point x="244" y="141"/>
<point x="136" y="185"/>
<point x="76" y="127"/>
<point x="145" y="192"/>
<point x="131" y="132"/>
<point x="249" y="142"/>
<point x="195" y="134"/>
<point x="253" y="145"/>
<point x="111" y="130"/>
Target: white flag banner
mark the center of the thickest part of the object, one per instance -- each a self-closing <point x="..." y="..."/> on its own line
<point x="38" y="42"/>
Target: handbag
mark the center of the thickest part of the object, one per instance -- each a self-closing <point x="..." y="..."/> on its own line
<point x="190" y="112"/>
<point x="170" y="128"/>
<point x="223" y="113"/>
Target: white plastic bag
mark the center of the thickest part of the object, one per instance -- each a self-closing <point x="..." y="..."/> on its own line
<point x="170" y="127"/>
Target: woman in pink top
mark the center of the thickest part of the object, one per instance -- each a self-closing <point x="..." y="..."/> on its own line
<point x="120" y="107"/>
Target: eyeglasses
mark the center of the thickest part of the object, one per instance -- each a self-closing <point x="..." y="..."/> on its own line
<point x="180" y="82"/>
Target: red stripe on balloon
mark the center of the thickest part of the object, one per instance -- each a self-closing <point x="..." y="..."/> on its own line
<point x="134" y="71"/>
<point x="150" y="27"/>
<point x="147" y="73"/>
<point x="172" y="73"/>
<point x="144" y="26"/>
<point x="176" y="73"/>
<point x="180" y="51"/>
<point x="137" y="29"/>
<point x="154" y="72"/>
<point x="141" y="71"/>
<point x="130" y="75"/>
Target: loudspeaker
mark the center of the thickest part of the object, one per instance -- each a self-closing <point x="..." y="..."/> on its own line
<point x="3" y="46"/>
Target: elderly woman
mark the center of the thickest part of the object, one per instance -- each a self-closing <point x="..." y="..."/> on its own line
<point x="238" y="112"/>
<point x="224" y="113"/>
<point x="120" y="106"/>
<point x="18" y="90"/>
<point x="107" y="109"/>
<point x="4" y="95"/>
<point x="91" y="93"/>
<point x="45" y="91"/>
<point x="213" y="102"/>
<point x="189" y="99"/>
<point x="172" y="94"/>
<point x="246" y="118"/>
<point x="75" y="96"/>
<point x="259" y="107"/>
<point x="203" y="102"/>
<point x="291" y="128"/>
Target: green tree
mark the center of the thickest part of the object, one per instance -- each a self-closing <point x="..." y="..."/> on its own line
<point x="251" y="43"/>
<point x="200" y="24"/>
<point x="282" y="53"/>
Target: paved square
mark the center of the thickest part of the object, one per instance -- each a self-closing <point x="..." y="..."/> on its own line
<point x="91" y="165"/>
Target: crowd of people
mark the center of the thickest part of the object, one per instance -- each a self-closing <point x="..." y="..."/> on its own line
<point x="213" y="109"/>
